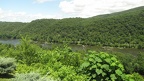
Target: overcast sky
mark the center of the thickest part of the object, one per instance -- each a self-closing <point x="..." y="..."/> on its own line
<point x="28" y="10"/>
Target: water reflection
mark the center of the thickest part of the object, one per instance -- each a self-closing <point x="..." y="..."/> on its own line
<point x="11" y="41"/>
<point x="81" y="47"/>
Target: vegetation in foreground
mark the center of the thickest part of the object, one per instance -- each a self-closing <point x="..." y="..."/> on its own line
<point x="29" y="62"/>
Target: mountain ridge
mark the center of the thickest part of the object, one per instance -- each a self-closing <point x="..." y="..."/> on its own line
<point x="120" y="29"/>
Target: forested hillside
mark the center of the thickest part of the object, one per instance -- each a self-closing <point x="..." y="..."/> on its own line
<point x="10" y="29"/>
<point x="121" y="29"/>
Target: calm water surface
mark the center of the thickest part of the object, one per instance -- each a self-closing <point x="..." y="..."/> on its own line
<point x="98" y="48"/>
<point x="11" y="41"/>
<point x="81" y="47"/>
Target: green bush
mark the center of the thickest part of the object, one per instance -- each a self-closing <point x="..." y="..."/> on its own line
<point x="128" y="61"/>
<point x="137" y="77"/>
<point x="31" y="77"/>
<point x="140" y="64"/>
<point x="66" y="56"/>
<point x="7" y="65"/>
<point x="132" y="63"/>
<point x="67" y="73"/>
<point x="60" y="72"/>
<point x="27" y="52"/>
<point x="102" y="67"/>
<point x="23" y="68"/>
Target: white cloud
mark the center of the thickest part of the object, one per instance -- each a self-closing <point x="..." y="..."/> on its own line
<point x="88" y="8"/>
<point x="23" y="16"/>
<point x="42" y="1"/>
<point x="73" y="8"/>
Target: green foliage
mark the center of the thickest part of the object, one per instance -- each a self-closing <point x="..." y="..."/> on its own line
<point x="23" y="68"/>
<point x="10" y="29"/>
<point x="67" y="73"/>
<point x="31" y="77"/>
<point x="134" y="77"/>
<point x="122" y="29"/>
<point x="27" y="52"/>
<point x="128" y="60"/>
<point x="68" y="57"/>
<point x="5" y="49"/>
<point x="7" y="65"/>
<point x="139" y="63"/>
<point x="132" y="63"/>
<point x="102" y="67"/>
<point x="62" y="63"/>
<point x="137" y="77"/>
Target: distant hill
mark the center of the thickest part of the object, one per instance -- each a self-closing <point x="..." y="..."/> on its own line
<point x="9" y="30"/>
<point x="120" y="29"/>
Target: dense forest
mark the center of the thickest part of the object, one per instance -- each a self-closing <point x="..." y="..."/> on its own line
<point x="121" y="29"/>
<point x="28" y="61"/>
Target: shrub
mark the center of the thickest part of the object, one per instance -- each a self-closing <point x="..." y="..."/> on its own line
<point x="140" y="64"/>
<point x="137" y="77"/>
<point x="7" y="65"/>
<point x="31" y="77"/>
<point x="68" y="57"/>
<point x="23" y="68"/>
<point x="128" y="61"/>
<point x="27" y="52"/>
<point x="67" y="73"/>
<point x="102" y="67"/>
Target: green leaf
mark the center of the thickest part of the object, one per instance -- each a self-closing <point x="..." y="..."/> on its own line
<point x="108" y="60"/>
<point x="131" y="79"/>
<point x="105" y="66"/>
<point x="85" y="64"/>
<point x="91" y="60"/>
<point x="102" y="55"/>
<point x="92" y="55"/>
<point x="107" y="79"/>
<point x="94" y="66"/>
<point x="98" y="64"/>
<point x="109" y="70"/>
<point x="107" y="55"/>
<point x="120" y="66"/>
<point x="113" y="64"/>
<point x="114" y="59"/>
<point x="119" y="72"/>
<point x="98" y="59"/>
<point x="113" y="77"/>
<point x="99" y="71"/>
<point x="103" y="74"/>
<point x="93" y="75"/>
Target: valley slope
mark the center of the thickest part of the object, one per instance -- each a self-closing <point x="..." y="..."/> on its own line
<point x="120" y="29"/>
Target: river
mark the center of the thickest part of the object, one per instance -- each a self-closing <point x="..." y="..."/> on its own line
<point x="10" y="41"/>
<point x="82" y="47"/>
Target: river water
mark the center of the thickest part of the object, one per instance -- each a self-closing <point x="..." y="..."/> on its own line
<point x="82" y="47"/>
<point x="10" y="41"/>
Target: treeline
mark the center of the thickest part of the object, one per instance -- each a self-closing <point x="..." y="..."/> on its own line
<point x="9" y="30"/>
<point x="121" y="29"/>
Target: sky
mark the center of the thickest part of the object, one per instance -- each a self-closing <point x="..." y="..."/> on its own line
<point x="28" y="10"/>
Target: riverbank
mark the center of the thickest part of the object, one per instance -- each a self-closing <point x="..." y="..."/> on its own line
<point x="83" y="48"/>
